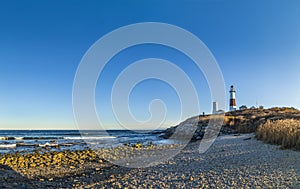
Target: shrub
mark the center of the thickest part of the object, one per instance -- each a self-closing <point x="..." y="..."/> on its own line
<point x="281" y="132"/>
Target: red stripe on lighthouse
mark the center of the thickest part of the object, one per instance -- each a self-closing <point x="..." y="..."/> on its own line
<point x="232" y="102"/>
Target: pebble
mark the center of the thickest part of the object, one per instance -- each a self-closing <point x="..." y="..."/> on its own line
<point x="231" y="162"/>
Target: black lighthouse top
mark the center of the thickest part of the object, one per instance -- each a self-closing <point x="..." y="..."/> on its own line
<point x="232" y="89"/>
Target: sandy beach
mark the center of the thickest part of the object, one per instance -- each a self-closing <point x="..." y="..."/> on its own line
<point x="232" y="162"/>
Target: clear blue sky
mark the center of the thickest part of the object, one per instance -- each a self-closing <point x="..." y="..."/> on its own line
<point x="256" y="43"/>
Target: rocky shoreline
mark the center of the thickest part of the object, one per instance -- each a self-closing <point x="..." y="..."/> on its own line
<point x="235" y="160"/>
<point x="232" y="161"/>
<point x="46" y="168"/>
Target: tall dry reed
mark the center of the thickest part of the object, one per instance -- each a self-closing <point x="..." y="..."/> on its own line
<point x="281" y="132"/>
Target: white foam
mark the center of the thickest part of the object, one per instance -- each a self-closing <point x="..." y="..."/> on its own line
<point x="8" y="145"/>
<point x="89" y="138"/>
<point x="47" y="144"/>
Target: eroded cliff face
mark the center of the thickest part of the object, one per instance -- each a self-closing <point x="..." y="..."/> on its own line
<point x="240" y="121"/>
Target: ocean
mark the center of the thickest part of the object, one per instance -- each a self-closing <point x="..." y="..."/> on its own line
<point x="25" y="141"/>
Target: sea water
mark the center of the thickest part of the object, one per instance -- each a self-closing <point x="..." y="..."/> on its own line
<point x="12" y="141"/>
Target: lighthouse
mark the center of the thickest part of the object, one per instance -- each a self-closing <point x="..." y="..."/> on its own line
<point x="232" y="103"/>
<point x="215" y="107"/>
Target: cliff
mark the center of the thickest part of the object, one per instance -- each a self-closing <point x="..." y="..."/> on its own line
<point x="240" y="121"/>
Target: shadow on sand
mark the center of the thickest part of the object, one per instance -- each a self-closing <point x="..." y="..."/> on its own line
<point x="9" y="178"/>
<point x="12" y="179"/>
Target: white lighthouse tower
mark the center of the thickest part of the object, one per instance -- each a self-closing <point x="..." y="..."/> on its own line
<point x="215" y="107"/>
<point x="232" y="103"/>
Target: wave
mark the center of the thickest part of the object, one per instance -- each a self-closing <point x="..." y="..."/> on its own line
<point x="30" y="138"/>
<point x="47" y="144"/>
<point x="8" y="145"/>
<point x="42" y="138"/>
<point x="56" y="138"/>
<point x="89" y="138"/>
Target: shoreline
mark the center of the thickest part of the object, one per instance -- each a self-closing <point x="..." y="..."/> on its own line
<point x="232" y="161"/>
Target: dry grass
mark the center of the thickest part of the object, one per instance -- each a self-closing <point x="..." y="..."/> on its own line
<point x="281" y="132"/>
